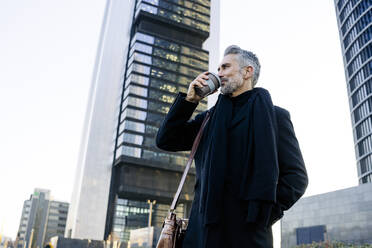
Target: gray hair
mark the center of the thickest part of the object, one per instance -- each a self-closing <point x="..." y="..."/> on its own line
<point x="246" y="58"/>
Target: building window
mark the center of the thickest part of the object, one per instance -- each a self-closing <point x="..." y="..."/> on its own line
<point x="159" y="107"/>
<point x="143" y="37"/>
<point x="136" y="90"/>
<point x="135" y="102"/>
<point x="308" y="235"/>
<point x="136" y="114"/>
<point x="128" y="151"/>
<point x="53" y="217"/>
<point x="142" y="80"/>
<point x="132" y="126"/>
<point x="138" y="46"/>
<point x="138" y="68"/>
<point x="161" y="96"/>
<point x="155" y="118"/>
<point x="130" y="138"/>
<point x="152" y="130"/>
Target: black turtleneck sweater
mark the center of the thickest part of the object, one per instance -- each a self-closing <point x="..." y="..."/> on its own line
<point x="238" y="103"/>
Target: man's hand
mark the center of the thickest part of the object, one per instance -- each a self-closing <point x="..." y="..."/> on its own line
<point x="199" y="81"/>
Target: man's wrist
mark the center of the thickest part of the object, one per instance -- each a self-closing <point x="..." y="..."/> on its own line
<point x="191" y="100"/>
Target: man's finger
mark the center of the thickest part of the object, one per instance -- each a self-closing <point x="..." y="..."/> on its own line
<point x="204" y="77"/>
<point x="199" y="84"/>
<point x="202" y="81"/>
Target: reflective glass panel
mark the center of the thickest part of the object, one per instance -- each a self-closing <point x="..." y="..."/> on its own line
<point x="189" y="71"/>
<point x="136" y="114"/>
<point x="167" y="44"/>
<point x="148" y="8"/>
<point x="165" y="64"/>
<point x="149" y="142"/>
<point x="142" y="47"/>
<point x="184" y="80"/>
<point x="161" y="96"/>
<point x="173" y="159"/>
<point x="139" y="68"/>
<point x="142" y="58"/>
<point x="133" y="126"/>
<point x="164" y="75"/>
<point x="129" y="151"/>
<point x="193" y="62"/>
<point x="183" y="11"/>
<point x="166" y="54"/>
<point x="195" y="53"/>
<point x="144" y="37"/>
<point x="204" y="2"/>
<point x="151" y="129"/>
<point x="134" y="101"/>
<point x="130" y="138"/>
<point x="163" y="85"/>
<point x="130" y="214"/>
<point x="197" y="7"/>
<point x="154" y="2"/>
<point x="150" y="155"/>
<point x="155" y="118"/>
<point x="137" y="90"/>
<point x="158" y="107"/>
<point x="183" y="90"/>
<point x="139" y="79"/>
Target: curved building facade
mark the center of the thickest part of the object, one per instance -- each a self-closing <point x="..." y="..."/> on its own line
<point x="354" y="19"/>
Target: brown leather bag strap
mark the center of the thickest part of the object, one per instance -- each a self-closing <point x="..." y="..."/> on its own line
<point x="189" y="162"/>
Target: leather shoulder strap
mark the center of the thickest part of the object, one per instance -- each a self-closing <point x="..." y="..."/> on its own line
<point x="189" y="162"/>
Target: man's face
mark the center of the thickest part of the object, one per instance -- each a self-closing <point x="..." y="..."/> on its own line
<point x="230" y="73"/>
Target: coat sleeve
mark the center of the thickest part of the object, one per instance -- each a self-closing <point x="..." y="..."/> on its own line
<point x="293" y="178"/>
<point x="177" y="132"/>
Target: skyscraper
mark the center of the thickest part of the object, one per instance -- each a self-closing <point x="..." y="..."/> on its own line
<point x="149" y="51"/>
<point x="354" y="19"/>
<point x="41" y="219"/>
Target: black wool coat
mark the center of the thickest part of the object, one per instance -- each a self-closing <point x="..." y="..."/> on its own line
<point x="236" y="228"/>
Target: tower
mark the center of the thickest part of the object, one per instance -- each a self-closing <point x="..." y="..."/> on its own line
<point x="354" y="19"/>
<point x="149" y="51"/>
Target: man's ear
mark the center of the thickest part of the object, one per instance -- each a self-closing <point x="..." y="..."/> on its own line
<point x="248" y="72"/>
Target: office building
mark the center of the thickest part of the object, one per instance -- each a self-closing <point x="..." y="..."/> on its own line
<point x="342" y="216"/>
<point x="6" y="242"/>
<point x="354" y="19"/>
<point x="149" y="51"/>
<point x="42" y="218"/>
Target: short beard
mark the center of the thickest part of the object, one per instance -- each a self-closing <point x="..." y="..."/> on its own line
<point x="231" y="85"/>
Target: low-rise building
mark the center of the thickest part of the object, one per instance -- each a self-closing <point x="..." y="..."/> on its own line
<point x="342" y="215"/>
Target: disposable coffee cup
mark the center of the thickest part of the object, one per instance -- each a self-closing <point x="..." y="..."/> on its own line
<point x="214" y="82"/>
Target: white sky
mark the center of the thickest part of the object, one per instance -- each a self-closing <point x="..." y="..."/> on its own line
<point x="47" y="52"/>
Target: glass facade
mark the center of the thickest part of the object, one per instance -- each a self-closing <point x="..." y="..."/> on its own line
<point x="354" y="20"/>
<point x="189" y="13"/>
<point x="157" y="70"/>
<point x="131" y="214"/>
<point x="159" y="66"/>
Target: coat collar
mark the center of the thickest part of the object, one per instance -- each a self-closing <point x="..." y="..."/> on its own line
<point x="244" y="111"/>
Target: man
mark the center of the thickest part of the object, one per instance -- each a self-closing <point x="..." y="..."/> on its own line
<point x="249" y="167"/>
